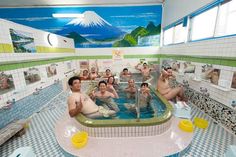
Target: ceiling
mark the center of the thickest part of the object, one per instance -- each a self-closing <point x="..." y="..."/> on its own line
<point x="28" y="3"/>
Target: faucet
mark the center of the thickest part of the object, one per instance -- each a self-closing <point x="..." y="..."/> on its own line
<point x="36" y="92"/>
<point x="204" y="91"/>
<point x="137" y="103"/>
<point x="186" y="84"/>
<point x="11" y="102"/>
<point x="56" y="81"/>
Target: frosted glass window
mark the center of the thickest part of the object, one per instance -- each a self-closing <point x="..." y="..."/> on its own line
<point x="179" y="33"/>
<point x="226" y="23"/>
<point x="203" y="25"/>
<point x="168" y="36"/>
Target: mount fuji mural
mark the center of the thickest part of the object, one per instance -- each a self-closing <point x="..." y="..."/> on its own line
<point x="91" y="29"/>
<point x="114" y="26"/>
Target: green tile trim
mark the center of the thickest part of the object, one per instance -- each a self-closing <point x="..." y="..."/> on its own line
<point x="141" y="56"/>
<point x="226" y="61"/>
<point x="95" y="57"/>
<point x="24" y="64"/>
<point x="6" y="48"/>
<point x="217" y="60"/>
<point x="129" y="122"/>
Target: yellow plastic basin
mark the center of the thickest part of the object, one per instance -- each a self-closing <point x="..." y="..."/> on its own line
<point x="79" y="139"/>
<point x="186" y="125"/>
<point x="200" y="123"/>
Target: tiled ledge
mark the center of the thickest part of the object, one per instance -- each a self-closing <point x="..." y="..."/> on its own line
<point x="133" y="131"/>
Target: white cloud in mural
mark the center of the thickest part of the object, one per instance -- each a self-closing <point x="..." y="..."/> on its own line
<point x="127" y="28"/>
<point x="53" y="29"/>
<point x="31" y="19"/>
<point x="137" y="16"/>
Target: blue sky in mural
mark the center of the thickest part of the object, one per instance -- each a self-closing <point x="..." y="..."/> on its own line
<point x="122" y="20"/>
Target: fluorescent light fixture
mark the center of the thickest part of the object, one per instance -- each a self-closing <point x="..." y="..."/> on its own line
<point x="68" y="15"/>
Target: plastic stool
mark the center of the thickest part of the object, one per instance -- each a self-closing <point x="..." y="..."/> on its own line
<point x="23" y="152"/>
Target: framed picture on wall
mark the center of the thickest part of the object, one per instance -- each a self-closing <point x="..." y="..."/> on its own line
<point x="233" y="85"/>
<point x="23" y="42"/>
<point x="51" y="70"/>
<point x="32" y="75"/>
<point x="6" y="83"/>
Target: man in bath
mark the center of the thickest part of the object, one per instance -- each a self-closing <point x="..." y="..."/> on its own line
<point x="105" y="97"/>
<point x="164" y="88"/>
<point x="125" y="74"/>
<point x="131" y="90"/>
<point x="80" y="103"/>
<point x="145" y="70"/>
<point x="144" y="98"/>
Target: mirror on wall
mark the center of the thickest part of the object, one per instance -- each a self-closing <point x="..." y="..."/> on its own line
<point x="84" y="64"/>
<point x="233" y="85"/>
<point x="32" y="75"/>
<point x="174" y="64"/>
<point x="6" y="83"/>
<point x="189" y="68"/>
<point x="210" y="74"/>
<point x="51" y="70"/>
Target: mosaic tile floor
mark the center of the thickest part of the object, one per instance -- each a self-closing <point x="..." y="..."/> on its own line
<point x="211" y="142"/>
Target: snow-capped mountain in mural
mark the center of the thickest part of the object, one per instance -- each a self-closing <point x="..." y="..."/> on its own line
<point x="91" y="27"/>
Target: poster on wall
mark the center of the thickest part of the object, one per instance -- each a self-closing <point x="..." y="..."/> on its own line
<point x="51" y="70"/>
<point x="23" y="42"/>
<point x="32" y="75"/>
<point x="117" y="55"/>
<point x="6" y="83"/>
<point x="109" y="26"/>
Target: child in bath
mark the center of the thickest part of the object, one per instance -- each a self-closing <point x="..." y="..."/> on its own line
<point x="80" y="103"/>
<point x="144" y="98"/>
<point x="105" y="97"/>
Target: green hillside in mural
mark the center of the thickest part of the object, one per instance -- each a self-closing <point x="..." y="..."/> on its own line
<point x="77" y="38"/>
<point x="131" y="39"/>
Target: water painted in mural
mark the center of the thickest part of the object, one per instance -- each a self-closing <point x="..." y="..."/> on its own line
<point x="113" y="26"/>
<point x="23" y="42"/>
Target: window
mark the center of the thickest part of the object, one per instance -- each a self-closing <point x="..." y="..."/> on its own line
<point x="179" y="33"/>
<point x="174" y="35"/>
<point x="203" y="25"/>
<point x="168" y="36"/>
<point x="226" y="22"/>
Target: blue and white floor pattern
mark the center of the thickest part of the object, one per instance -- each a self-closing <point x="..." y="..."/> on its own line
<point x="211" y="142"/>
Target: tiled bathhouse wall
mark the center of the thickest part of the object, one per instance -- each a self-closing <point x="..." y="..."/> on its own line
<point x="43" y="48"/>
<point x="15" y="64"/>
<point x="25" y="107"/>
<point x="218" y="101"/>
